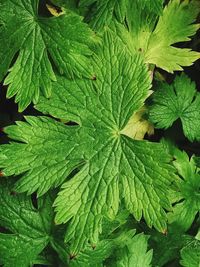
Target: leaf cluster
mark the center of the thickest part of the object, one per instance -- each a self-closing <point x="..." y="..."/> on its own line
<point x="88" y="181"/>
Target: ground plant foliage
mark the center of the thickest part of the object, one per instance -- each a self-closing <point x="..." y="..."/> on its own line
<point x="100" y="117"/>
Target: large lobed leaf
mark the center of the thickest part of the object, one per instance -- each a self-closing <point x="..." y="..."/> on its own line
<point x="114" y="166"/>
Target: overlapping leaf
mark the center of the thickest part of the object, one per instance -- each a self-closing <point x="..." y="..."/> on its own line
<point x="178" y="100"/>
<point x="135" y="253"/>
<point x="103" y="12"/>
<point x="114" y="166"/>
<point x="188" y="192"/>
<point x="104" y="249"/>
<point x="38" y="41"/>
<point x="166" y="248"/>
<point x="190" y="254"/>
<point x="155" y="7"/>
<point x="47" y="155"/>
<point x="174" y="26"/>
<point x="156" y="40"/>
<point x="29" y="228"/>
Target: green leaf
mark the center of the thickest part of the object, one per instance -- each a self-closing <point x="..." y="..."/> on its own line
<point x="45" y="165"/>
<point x="97" y="255"/>
<point x="140" y="24"/>
<point x="190" y="254"/>
<point x="114" y="166"/>
<point x="174" y="26"/>
<point x="197" y="161"/>
<point x="184" y="212"/>
<point x="28" y="227"/>
<point x="40" y="40"/>
<point x="166" y="248"/>
<point x="115" y="236"/>
<point x="135" y="253"/>
<point x="155" y="40"/>
<point x="179" y="100"/>
<point x="104" y="12"/>
<point x="155" y="7"/>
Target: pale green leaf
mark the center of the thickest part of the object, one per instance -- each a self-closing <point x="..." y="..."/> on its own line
<point x="174" y="26"/>
<point x="157" y="40"/>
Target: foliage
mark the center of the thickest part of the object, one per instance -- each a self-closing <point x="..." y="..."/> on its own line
<point x="88" y="181"/>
